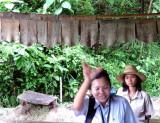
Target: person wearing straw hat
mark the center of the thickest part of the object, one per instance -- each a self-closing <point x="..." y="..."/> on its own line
<point x="141" y="104"/>
<point x="101" y="107"/>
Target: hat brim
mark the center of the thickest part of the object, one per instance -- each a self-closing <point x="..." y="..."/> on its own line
<point x="120" y="77"/>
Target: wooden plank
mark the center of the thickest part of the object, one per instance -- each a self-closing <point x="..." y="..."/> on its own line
<point x="32" y="32"/>
<point x="1" y="15"/>
<point x="54" y="31"/>
<point x="11" y="15"/>
<point x="158" y="27"/>
<point x="28" y="32"/>
<point x="115" y="17"/>
<point x="70" y="31"/>
<point x="89" y="32"/>
<point x="75" y="32"/>
<point x="146" y="30"/>
<point x="102" y="17"/>
<point x="84" y="34"/>
<point x="24" y="28"/>
<point x="24" y="32"/>
<point x="48" y="29"/>
<point x="33" y="29"/>
<point x="41" y="28"/>
<point x="94" y="33"/>
<point x="125" y="31"/>
<point x="42" y="32"/>
<point x="108" y="34"/>
<point x="10" y="30"/>
<point x="36" y="98"/>
<point x="10" y="24"/>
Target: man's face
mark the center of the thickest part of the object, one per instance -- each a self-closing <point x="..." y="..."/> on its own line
<point x="100" y="89"/>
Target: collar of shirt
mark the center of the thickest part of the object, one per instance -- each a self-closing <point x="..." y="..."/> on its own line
<point x="138" y="95"/>
<point x="97" y="104"/>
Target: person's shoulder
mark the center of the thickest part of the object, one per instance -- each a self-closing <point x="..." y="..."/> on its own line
<point x="144" y="94"/>
<point x="119" y="101"/>
<point x="119" y="98"/>
<point x="120" y="91"/>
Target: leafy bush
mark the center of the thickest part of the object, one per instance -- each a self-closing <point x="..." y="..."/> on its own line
<point x="77" y="7"/>
<point x="40" y="69"/>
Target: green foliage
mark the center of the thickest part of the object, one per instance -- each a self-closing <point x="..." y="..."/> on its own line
<point x="83" y="7"/>
<point x="39" y="68"/>
<point x="57" y="7"/>
<point x="156" y="6"/>
<point x="76" y="7"/>
<point x="123" y="6"/>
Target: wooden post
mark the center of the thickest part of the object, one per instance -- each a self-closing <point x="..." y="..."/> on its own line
<point x="61" y="90"/>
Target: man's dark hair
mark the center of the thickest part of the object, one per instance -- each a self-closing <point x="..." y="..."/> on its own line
<point x="104" y="74"/>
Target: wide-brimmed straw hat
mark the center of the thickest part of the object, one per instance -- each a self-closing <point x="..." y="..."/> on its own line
<point x="131" y="69"/>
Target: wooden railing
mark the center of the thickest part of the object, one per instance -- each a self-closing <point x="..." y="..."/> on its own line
<point x="88" y="30"/>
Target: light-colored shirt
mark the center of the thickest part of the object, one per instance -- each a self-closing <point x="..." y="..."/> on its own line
<point x="141" y="104"/>
<point x="120" y="111"/>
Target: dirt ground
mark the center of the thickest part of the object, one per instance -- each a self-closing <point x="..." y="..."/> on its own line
<point x="61" y="114"/>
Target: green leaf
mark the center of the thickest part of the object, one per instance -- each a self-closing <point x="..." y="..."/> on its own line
<point x="56" y="78"/>
<point x="66" y="5"/>
<point x="16" y="10"/>
<point x="58" y="11"/>
<point x="9" y="6"/>
<point x="61" y="1"/>
<point x="6" y="77"/>
<point x="123" y="2"/>
<point x="21" y="51"/>
<point x="48" y="66"/>
<point x="18" y="1"/>
<point x="51" y="59"/>
<point x="47" y="4"/>
<point x="111" y="2"/>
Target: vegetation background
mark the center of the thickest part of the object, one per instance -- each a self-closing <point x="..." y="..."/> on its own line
<point x="40" y="69"/>
<point x="81" y="7"/>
